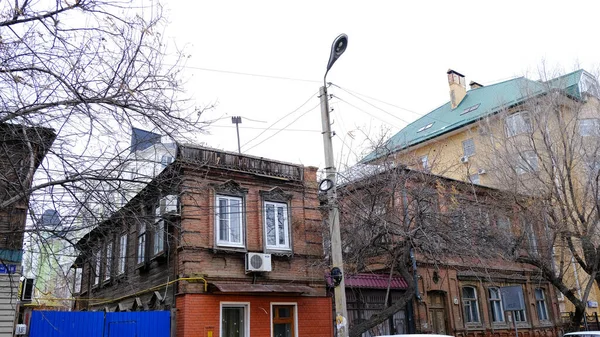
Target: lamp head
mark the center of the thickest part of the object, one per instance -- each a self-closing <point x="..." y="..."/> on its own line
<point x="337" y="49"/>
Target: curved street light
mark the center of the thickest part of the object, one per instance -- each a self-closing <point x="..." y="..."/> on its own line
<point x="337" y="265"/>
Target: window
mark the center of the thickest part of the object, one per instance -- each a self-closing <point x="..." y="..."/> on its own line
<point x="108" y="261"/>
<point x="503" y="223"/>
<point x="469" y="297"/>
<point x="229" y="221"/>
<point x="540" y="304"/>
<point x="518" y="123"/>
<point x="589" y="127"/>
<point x="234" y="320"/>
<point x="283" y="321"/>
<point x="468" y="147"/>
<point x="527" y="161"/>
<point x="122" y="253"/>
<point x="77" y="278"/>
<point x="159" y="232"/>
<point x="520" y="316"/>
<point x="166" y="160"/>
<point x="141" y="249"/>
<point x="97" y="264"/>
<point x="471" y="108"/>
<point x="425" y="162"/>
<point x="474" y="178"/>
<point x="423" y="128"/>
<point x="496" y="305"/>
<point x="277" y="229"/>
<point x="588" y="84"/>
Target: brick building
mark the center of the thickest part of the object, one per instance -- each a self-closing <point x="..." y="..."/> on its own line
<point x="455" y="231"/>
<point x="231" y="243"/>
<point x="21" y="152"/>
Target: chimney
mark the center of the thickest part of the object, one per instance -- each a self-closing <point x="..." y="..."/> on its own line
<point x="475" y="85"/>
<point x="458" y="89"/>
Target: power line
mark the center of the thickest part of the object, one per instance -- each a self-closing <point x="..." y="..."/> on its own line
<point x="368" y="113"/>
<point x="255" y="128"/>
<point x="280" y="119"/>
<point x="285" y="127"/>
<point x="251" y="74"/>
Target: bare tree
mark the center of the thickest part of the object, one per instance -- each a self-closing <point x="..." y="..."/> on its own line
<point x="393" y="217"/>
<point x="91" y="70"/>
<point x="546" y="153"/>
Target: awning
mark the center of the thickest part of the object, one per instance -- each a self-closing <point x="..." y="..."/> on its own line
<point x="372" y="281"/>
<point x="262" y="288"/>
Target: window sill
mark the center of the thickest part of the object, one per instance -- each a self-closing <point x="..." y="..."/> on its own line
<point x="160" y="256"/>
<point x="279" y="252"/>
<point x="230" y="249"/>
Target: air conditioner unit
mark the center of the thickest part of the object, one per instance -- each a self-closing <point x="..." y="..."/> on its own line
<point x="258" y="262"/>
<point x="464" y="159"/>
<point x="481" y="171"/>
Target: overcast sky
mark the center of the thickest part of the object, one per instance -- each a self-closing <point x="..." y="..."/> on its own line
<point x="265" y="60"/>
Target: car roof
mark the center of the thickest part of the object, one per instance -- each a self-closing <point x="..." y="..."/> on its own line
<point x="576" y="333"/>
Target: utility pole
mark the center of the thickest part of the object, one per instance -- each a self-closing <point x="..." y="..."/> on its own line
<point x="329" y="185"/>
<point x="237" y="120"/>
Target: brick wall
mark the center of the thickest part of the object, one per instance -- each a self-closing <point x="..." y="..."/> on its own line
<point x="197" y="314"/>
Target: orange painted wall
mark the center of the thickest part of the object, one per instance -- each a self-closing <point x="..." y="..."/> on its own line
<point x="198" y="314"/>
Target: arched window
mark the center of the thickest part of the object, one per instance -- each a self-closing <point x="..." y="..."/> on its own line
<point x="469" y="298"/>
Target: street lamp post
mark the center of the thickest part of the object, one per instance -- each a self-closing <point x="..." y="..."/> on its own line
<point x="329" y="184"/>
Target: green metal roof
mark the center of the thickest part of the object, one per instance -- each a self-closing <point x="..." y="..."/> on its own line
<point x="478" y="103"/>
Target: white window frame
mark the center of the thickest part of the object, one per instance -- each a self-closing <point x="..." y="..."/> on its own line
<point x="108" y="249"/>
<point x="77" y="280"/>
<point x="541" y="304"/>
<point x="141" y="243"/>
<point x="468" y="146"/>
<point x="245" y="305"/>
<point x="293" y="304"/>
<point x="286" y="245"/>
<point x="589" y="127"/>
<point x="468" y="303"/>
<point x="527" y="161"/>
<point x="158" y="237"/>
<point x="520" y="316"/>
<point x="121" y="263"/>
<point x="475" y="179"/>
<point x="228" y="242"/>
<point x="518" y="123"/>
<point x="424" y="162"/>
<point x="495" y="304"/>
<point x="97" y="265"/>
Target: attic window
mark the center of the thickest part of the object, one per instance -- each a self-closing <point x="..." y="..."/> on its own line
<point x="425" y="127"/>
<point x="471" y="108"/>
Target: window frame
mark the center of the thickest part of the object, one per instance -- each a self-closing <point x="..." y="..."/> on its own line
<point x="287" y="245"/>
<point x="496" y="303"/>
<point x="424" y="162"/>
<point x="468" y="303"/>
<point x="245" y="306"/>
<point x="97" y="266"/>
<point x="294" y="317"/>
<point x="592" y="130"/>
<point x="468" y="144"/>
<point x="241" y="221"/>
<point x="122" y="258"/>
<point x="541" y="303"/>
<point x="108" y="256"/>
<point x="141" y="243"/>
<point x="527" y="162"/>
<point x="518" y="123"/>
<point x="158" y="230"/>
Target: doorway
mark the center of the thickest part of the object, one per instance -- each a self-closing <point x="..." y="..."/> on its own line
<point x="437" y="312"/>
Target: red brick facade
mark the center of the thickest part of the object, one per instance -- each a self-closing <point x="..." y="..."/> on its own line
<point x="198" y="314"/>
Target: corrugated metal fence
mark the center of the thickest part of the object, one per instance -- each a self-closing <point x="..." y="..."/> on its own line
<point x="100" y="324"/>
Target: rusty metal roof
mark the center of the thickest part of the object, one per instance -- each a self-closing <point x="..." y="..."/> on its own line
<point x="372" y="281"/>
<point x="262" y="288"/>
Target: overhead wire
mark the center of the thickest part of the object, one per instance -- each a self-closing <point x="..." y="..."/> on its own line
<point x="279" y="120"/>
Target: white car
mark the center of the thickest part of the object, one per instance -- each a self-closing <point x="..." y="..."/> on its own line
<point x="583" y="334"/>
<point x="431" y="335"/>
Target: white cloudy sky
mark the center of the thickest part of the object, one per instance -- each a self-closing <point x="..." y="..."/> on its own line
<point x="392" y="72"/>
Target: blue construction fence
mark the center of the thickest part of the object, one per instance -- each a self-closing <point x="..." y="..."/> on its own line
<point x="100" y="324"/>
